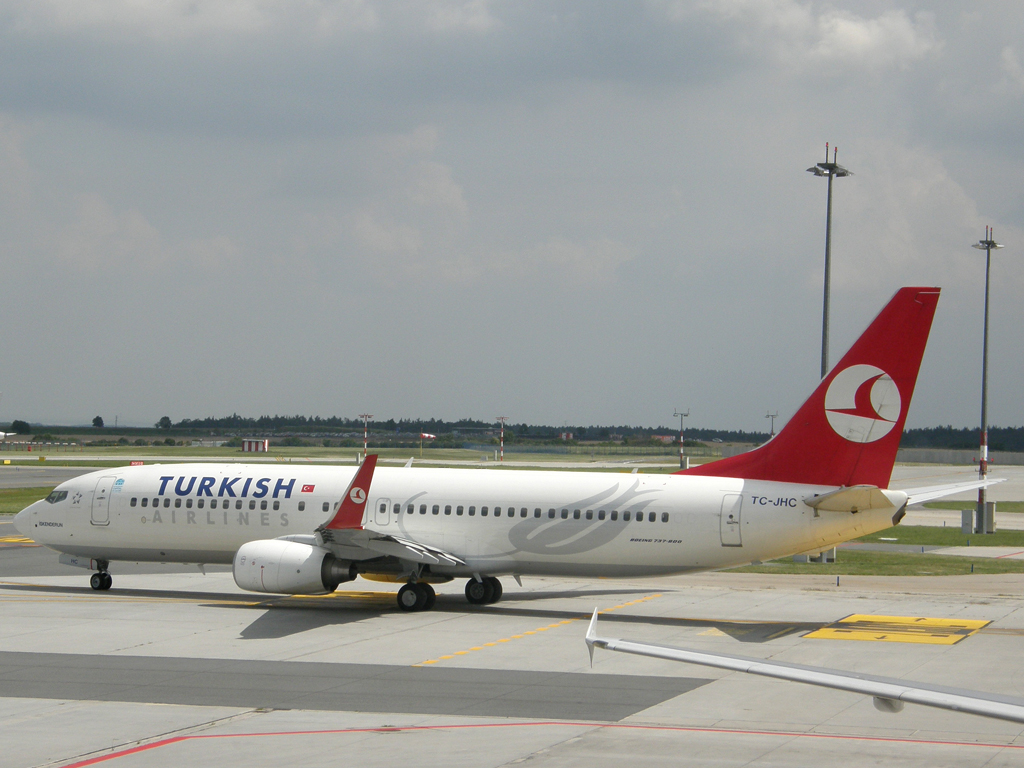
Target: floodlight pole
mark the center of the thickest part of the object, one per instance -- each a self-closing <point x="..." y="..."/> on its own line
<point x="366" y="420"/>
<point x="681" y="415"/>
<point x="981" y="523"/>
<point x="827" y="169"/>
<point x="772" y="416"/>
<point x="501" y="443"/>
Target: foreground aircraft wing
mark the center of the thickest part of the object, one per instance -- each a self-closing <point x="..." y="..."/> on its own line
<point x="345" y="530"/>
<point x="889" y="694"/>
<point x="920" y="495"/>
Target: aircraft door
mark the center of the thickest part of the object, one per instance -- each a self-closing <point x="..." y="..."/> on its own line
<point x="101" y="501"/>
<point x="730" y="520"/>
<point x="381" y="511"/>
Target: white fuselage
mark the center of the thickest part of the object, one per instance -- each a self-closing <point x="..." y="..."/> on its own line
<point x="557" y="523"/>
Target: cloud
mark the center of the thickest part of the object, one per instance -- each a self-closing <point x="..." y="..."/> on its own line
<point x="1013" y="72"/>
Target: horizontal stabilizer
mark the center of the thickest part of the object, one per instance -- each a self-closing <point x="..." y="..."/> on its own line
<point x="889" y="694"/>
<point x="921" y="495"/>
<point x="856" y="499"/>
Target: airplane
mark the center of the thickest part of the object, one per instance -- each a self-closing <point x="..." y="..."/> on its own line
<point x="823" y="479"/>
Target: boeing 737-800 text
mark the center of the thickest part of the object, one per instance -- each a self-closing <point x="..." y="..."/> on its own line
<point x="304" y="530"/>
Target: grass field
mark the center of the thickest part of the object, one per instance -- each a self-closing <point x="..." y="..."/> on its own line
<point x="1002" y="506"/>
<point x="945" y="537"/>
<point x="13" y="500"/>
<point x="852" y="563"/>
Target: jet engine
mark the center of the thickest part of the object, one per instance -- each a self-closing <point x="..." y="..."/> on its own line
<point x="289" y="567"/>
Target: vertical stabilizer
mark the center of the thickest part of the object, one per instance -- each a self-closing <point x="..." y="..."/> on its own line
<point x="849" y="429"/>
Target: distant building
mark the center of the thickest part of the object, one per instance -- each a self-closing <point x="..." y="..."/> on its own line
<point x="252" y="445"/>
<point x="666" y="439"/>
<point x="566" y="435"/>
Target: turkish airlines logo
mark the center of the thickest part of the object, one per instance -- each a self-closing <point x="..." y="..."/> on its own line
<point x="358" y="495"/>
<point x="862" y="404"/>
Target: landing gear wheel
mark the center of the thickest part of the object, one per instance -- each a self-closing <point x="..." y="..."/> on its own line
<point x="496" y="590"/>
<point x="411" y="598"/>
<point x="480" y="592"/>
<point x="101" y="580"/>
<point x="431" y="596"/>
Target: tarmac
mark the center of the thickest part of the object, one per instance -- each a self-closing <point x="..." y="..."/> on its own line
<point x="174" y="667"/>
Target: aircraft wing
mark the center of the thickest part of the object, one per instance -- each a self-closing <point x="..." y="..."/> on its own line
<point x="921" y="495"/>
<point x="345" y="535"/>
<point x="890" y="694"/>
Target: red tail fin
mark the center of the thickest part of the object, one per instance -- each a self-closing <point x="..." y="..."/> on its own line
<point x="848" y="431"/>
<point x="350" y="511"/>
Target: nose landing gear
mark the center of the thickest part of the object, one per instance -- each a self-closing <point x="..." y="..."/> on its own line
<point x="101" y="581"/>
<point x="483" y="592"/>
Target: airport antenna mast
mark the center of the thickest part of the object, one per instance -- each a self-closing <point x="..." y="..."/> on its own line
<point x="982" y="523"/>
<point x="772" y="416"/>
<point x="501" y="443"/>
<point x="366" y="421"/>
<point x="830" y="170"/>
<point x="682" y="454"/>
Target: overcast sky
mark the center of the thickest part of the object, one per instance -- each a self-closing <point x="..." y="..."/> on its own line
<point x="563" y="212"/>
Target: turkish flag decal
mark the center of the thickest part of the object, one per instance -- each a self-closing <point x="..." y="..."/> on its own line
<point x="308" y="488"/>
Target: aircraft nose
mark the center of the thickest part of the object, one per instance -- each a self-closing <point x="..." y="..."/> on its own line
<point x="22" y="520"/>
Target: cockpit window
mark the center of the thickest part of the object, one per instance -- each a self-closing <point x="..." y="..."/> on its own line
<point x="56" y="496"/>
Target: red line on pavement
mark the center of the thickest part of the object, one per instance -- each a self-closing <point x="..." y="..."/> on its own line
<point x="466" y="726"/>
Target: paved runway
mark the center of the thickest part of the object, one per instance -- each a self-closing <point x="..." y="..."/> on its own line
<point x="181" y="668"/>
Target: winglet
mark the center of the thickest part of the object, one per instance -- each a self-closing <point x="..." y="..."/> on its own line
<point x="591" y="636"/>
<point x="350" y="511"/>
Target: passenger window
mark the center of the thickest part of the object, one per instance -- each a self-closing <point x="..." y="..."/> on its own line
<point x="213" y="503"/>
<point x="327" y="506"/>
<point x="652" y="516"/>
<point x="167" y="503"/>
<point x="483" y="511"/>
<point x="664" y="517"/>
<point x="458" y="510"/>
<point x="472" y="511"/>
<point x="200" y="502"/>
<point x="277" y="504"/>
<point x="615" y="514"/>
<point x="397" y="509"/>
<point x="536" y="512"/>
<point x="435" y="509"/>
<point x="133" y="502"/>
<point x="551" y="513"/>
<point x="156" y="502"/>
<point x="302" y="506"/>
<point x="252" y="505"/>
<point x="410" y="508"/>
<point x="523" y="512"/>
<point x="575" y="514"/>
<point x="447" y="509"/>
<point x="590" y="514"/>
<point x="188" y="503"/>
<point x="145" y="502"/>
<point x="263" y="504"/>
<point x="497" y="511"/>
<point x="600" y="514"/>
<point x="565" y="514"/>
<point x="383" y="506"/>
<point x="177" y="503"/>
<point x="423" y="509"/>
<point x="625" y="516"/>
<point x="238" y="504"/>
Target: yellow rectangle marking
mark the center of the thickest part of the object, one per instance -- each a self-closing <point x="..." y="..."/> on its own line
<point x="899" y="629"/>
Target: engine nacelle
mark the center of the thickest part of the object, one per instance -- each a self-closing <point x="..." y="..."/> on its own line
<point x="289" y="567"/>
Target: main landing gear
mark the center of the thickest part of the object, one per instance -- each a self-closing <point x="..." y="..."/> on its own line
<point x="418" y="596"/>
<point x="484" y="592"/>
<point x="101" y="581"/>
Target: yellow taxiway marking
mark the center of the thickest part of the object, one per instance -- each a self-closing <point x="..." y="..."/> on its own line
<point x="15" y="540"/>
<point x="521" y="635"/>
<point x="900" y="629"/>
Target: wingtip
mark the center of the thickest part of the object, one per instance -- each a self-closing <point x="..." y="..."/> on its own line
<point x="591" y="636"/>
